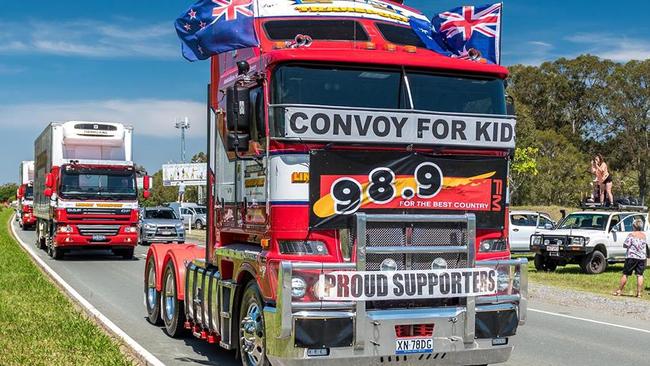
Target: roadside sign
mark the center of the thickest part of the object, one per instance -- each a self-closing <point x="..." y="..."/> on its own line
<point x="193" y="174"/>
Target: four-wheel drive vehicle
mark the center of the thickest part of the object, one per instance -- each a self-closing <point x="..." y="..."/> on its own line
<point x="160" y="225"/>
<point x="591" y="239"/>
<point x="85" y="193"/>
<point x="523" y="224"/>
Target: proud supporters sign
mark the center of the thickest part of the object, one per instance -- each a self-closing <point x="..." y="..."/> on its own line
<point x="391" y="126"/>
<point x="391" y="285"/>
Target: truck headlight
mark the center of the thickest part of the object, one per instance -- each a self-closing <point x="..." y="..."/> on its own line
<point x="309" y="247"/>
<point x="65" y="229"/>
<point x="180" y="227"/>
<point x="298" y="287"/>
<point x="492" y="245"/>
<point x="439" y="263"/>
<point x="388" y="264"/>
<point x="130" y="229"/>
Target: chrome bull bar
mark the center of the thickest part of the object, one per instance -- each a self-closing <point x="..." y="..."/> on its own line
<point x="286" y="306"/>
<point x="521" y="297"/>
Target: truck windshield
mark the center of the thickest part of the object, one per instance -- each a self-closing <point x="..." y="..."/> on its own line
<point x="386" y="89"/>
<point x="103" y="184"/>
<point x="586" y="221"/>
<point x="29" y="192"/>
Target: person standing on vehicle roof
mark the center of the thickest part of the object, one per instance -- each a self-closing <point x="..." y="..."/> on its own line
<point x="635" y="258"/>
<point x="604" y="179"/>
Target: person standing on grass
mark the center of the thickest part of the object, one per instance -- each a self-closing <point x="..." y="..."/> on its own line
<point x="635" y="258"/>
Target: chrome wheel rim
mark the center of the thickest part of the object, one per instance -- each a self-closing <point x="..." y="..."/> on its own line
<point x="252" y="330"/>
<point x="151" y="288"/>
<point x="170" y="298"/>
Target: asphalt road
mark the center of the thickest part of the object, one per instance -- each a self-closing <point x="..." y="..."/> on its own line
<point x="552" y="336"/>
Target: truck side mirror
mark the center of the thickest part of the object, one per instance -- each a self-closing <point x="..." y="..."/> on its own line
<point x="47" y="192"/>
<point x="146" y="194"/>
<point x="237" y="141"/>
<point x="146" y="182"/>
<point x="20" y="193"/>
<point x="237" y="109"/>
<point x="49" y="180"/>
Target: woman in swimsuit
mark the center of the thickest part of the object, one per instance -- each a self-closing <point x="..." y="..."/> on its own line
<point x="604" y="179"/>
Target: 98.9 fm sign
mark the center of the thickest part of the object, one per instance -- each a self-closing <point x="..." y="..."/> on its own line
<point x="345" y="182"/>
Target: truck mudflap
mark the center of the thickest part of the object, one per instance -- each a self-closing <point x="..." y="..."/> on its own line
<point x="476" y="331"/>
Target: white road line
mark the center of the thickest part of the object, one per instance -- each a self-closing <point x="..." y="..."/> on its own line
<point x="145" y="355"/>
<point x="589" y="320"/>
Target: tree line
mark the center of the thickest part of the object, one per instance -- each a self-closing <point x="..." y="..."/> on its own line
<point x="568" y="110"/>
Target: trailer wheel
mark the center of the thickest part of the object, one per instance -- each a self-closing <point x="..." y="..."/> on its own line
<point x="594" y="262"/>
<point x="151" y="295"/>
<point x="252" y="340"/>
<point x="173" y="314"/>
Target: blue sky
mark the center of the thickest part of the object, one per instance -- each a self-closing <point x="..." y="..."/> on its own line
<point x="120" y="60"/>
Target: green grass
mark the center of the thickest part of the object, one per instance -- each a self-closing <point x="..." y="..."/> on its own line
<point x="571" y="277"/>
<point x="38" y="324"/>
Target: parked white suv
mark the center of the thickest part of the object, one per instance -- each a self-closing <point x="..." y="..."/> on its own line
<point x="591" y="239"/>
<point x="523" y="224"/>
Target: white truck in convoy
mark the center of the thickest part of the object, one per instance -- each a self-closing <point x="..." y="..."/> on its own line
<point x="591" y="239"/>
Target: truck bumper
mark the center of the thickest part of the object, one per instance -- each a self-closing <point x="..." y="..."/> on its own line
<point x="347" y="334"/>
<point x="78" y="241"/>
<point x="311" y="333"/>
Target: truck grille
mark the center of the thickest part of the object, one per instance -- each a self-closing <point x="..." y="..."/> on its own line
<point x="436" y="234"/>
<point x="430" y="234"/>
<point x="108" y="230"/>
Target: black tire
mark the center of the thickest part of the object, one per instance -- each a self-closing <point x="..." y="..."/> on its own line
<point x="594" y="263"/>
<point x="145" y="243"/>
<point x="543" y="264"/>
<point x="171" y="309"/>
<point x="252" y="338"/>
<point x="198" y="225"/>
<point x="151" y="295"/>
<point x="55" y="252"/>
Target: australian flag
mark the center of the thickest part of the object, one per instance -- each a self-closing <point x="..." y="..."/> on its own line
<point x="210" y="27"/>
<point x="465" y="29"/>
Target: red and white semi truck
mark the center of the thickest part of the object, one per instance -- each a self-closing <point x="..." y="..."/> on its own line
<point x="25" y="195"/>
<point x="357" y="188"/>
<point x="85" y="193"/>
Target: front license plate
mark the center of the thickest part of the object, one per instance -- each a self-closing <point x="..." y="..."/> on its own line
<point x="552" y="248"/>
<point x="99" y="237"/>
<point x="413" y="345"/>
<point x="166" y="232"/>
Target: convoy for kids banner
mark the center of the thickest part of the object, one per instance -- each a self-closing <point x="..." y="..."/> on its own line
<point x="342" y="183"/>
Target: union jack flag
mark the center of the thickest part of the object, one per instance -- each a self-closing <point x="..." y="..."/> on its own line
<point x="231" y="8"/>
<point x="470" y="27"/>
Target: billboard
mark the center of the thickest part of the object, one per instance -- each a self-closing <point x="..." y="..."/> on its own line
<point x="344" y="182"/>
<point x="193" y="174"/>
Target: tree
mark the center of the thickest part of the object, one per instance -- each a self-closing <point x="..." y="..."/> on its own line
<point x="524" y="166"/>
<point x="628" y="118"/>
<point x="8" y="192"/>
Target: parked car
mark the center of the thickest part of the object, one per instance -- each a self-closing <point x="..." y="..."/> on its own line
<point x="591" y="239"/>
<point x="160" y="225"/>
<point x="190" y="213"/>
<point x="523" y="224"/>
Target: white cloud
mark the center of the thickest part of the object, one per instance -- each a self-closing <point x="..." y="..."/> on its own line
<point x="613" y="47"/>
<point x="89" y="38"/>
<point x="541" y="44"/>
<point x="149" y="117"/>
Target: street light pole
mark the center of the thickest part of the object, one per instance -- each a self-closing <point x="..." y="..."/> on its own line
<point x="183" y="125"/>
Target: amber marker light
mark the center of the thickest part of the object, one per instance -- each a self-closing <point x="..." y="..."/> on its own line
<point x="410" y="49"/>
<point x="266" y="243"/>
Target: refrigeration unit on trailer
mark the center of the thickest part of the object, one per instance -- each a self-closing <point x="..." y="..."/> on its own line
<point x="85" y="188"/>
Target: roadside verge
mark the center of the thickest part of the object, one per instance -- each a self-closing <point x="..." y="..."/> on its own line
<point x="38" y="284"/>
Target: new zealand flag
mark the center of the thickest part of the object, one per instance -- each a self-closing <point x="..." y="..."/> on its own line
<point x="210" y="27"/>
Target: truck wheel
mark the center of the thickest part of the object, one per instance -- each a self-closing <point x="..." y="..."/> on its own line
<point x="151" y="295"/>
<point x="594" y="262"/>
<point x="252" y="340"/>
<point x="55" y="253"/>
<point x="173" y="314"/>
<point x="198" y="225"/>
